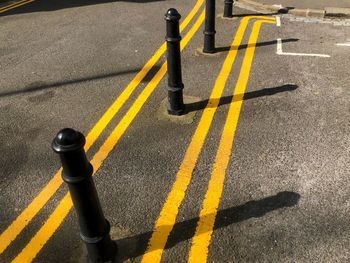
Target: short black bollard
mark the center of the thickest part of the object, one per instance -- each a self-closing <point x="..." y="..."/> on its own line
<point x="77" y="173"/>
<point x="209" y="31"/>
<point x="175" y="86"/>
<point x="228" y="8"/>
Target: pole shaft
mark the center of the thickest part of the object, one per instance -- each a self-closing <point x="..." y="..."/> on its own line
<point x="175" y="85"/>
<point x="228" y="7"/>
<point x="209" y="31"/>
<point x="77" y="173"/>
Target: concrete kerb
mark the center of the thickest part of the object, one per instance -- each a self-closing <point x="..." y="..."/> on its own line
<point x="328" y="12"/>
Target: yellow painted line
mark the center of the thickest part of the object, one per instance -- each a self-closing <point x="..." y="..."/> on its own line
<point x="17" y="226"/>
<point x="55" y="219"/>
<point x="202" y="237"/>
<point x="15" y="5"/>
<point x="168" y="214"/>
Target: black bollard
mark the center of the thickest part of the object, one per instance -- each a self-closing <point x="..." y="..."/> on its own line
<point x="228" y="8"/>
<point x="209" y="31"/>
<point x="77" y="173"/>
<point x="175" y="86"/>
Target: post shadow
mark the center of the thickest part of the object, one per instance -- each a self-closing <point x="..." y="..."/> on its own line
<point x="247" y="96"/>
<point x="39" y="86"/>
<point x="135" y="246"/>
<point x="260" y="44"/>
<point x="255" y="14"/>
<point x="283" y="10"/>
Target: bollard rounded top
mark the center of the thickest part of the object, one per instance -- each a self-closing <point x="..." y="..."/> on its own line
<point x="172" y="15"/>
<point x="68" y="140"/>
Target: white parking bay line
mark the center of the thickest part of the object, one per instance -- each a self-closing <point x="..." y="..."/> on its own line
<point x="280" y="52"/>
<point x="278" y="21"/>
<point x="343" y="44"/>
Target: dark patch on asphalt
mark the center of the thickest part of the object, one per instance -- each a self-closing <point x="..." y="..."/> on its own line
<point x="42" y="96"/>
<point x="15" y="154"/>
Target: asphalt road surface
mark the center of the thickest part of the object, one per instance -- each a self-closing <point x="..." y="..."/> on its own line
<point x="258" y="173"/>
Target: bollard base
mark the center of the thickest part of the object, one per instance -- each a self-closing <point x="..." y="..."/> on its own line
<point x="199" y="52"/>
<point x="113" y="260"/>
<point x="121" y="236"/>
<point x="187" y="118"/>
<point x="227" y="18"/>
<point x="176" y="112"/>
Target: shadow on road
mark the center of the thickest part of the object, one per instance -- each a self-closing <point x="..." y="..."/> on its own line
<point x="283" y="10"/>
<point x="52" y="5"/>
<point x="261" y="44"/>
<point x="135" y="246"/>
<point x="247" y="96"/>
<point x="39" y="86"/>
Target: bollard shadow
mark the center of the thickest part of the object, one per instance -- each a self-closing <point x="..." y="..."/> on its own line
<point x="135" y="246"/>
<point x="247" y="96"/>
<point x="283" y="10"/>
<point x="256" y="14"/>
<point x="260" y="44"/>
<point x="39" y="86"/>
<point x="141" y="1"/>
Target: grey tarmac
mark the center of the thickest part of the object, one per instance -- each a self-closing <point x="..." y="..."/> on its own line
<point x="286" y="191"/>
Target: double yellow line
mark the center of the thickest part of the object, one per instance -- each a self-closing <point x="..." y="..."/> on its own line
<point x="169" y="212"/>
<point x="56" y="218"/>
<point x="15" y="5"/>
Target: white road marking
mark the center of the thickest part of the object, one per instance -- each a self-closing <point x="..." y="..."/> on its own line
<point x="278" y="21"/>
<point x="280" y="52"/>
<point x="344" y="44"/>
<point x="279" y="6"/>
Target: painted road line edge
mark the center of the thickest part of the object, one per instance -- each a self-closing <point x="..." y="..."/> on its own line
<point x="343" y="44"/>
<point x="281" y="53"/>
<point x="278" y="21"/>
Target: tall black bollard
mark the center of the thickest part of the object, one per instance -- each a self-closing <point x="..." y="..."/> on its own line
<point x="77" y="173"/>
<point x="175" y="86"/>
<point x="228" y="8"/>
<point x="209" y="31"/>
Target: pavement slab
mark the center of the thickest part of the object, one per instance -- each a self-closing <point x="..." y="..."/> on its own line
<point x="312" y="4"/>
